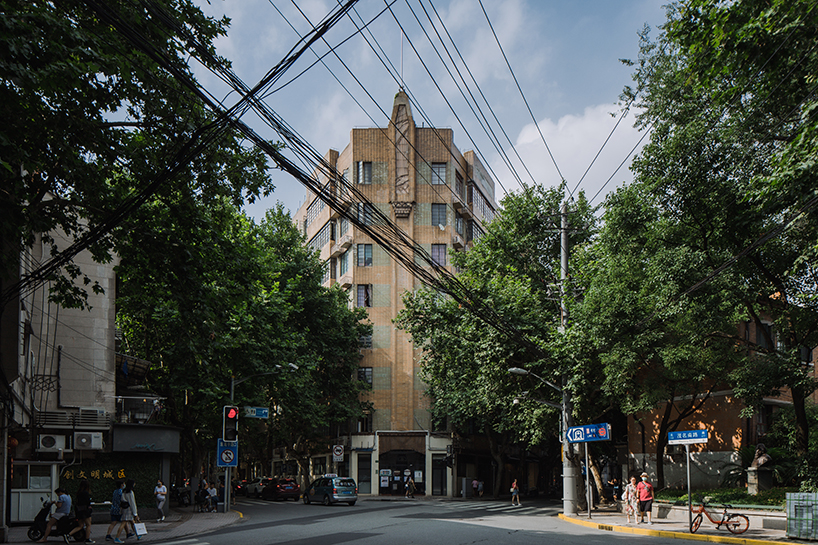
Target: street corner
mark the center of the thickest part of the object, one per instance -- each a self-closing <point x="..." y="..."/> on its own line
<point x="610" y="525"/>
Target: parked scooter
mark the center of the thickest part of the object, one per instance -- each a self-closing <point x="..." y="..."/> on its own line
<point x="180" y="495"/>
<point x="63" y="526"/>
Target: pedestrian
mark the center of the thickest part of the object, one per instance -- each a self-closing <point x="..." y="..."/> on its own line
<point x="480" y="488"/>
<point x="161" y="492"/>
<point x="84" y="511"/>
<point x="615" y="485"/>
<point x="410" y="488"/>
<point x="474" y="484"/>
<point x="645" y="491"/>
<point x="515" y="493"/>
<point x="63" y="503"/>
<point x="631" y="499"/>
<point x="116" y="510"/>
<point x="129" y="513"/>
<point x="212" y="498"/>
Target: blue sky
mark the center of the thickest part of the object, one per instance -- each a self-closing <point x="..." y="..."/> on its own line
<point x="565" y="56"/>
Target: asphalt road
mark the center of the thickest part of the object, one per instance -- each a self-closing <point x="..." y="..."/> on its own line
<point x="397" y="522"/>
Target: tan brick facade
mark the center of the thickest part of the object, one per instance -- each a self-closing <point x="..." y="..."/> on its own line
<point x="409" y="170"/>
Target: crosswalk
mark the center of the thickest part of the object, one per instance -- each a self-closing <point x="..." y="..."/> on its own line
<point x="492" y="507"/>
<point x="253" y="501"/>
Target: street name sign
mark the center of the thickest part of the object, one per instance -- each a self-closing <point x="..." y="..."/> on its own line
<point x="588" y="433"/>
<point x="257" y="412"/>
<point x="689" y="437"/>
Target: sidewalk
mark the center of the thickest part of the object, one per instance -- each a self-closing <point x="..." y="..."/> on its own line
<point x="610" y="520"/>
<point x="177" y="523"/>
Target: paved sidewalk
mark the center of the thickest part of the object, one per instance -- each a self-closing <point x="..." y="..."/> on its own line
<point x="177" y="523"/>
<point x="613" y="521"/>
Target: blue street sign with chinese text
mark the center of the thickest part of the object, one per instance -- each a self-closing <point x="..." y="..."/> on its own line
<point x="686" y="437"/>
<point x="257" y="412"/>
<point x="588" y="433"/>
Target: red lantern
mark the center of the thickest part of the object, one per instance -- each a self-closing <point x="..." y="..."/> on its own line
<point x="13" y="442"/>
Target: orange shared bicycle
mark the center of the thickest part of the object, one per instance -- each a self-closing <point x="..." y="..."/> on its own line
<point x="734" y="522"/>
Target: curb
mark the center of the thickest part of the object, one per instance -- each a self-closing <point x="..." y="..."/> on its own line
<point x="667" y="533"/>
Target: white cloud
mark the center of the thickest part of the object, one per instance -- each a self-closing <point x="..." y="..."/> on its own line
<point x="574" y="140"/>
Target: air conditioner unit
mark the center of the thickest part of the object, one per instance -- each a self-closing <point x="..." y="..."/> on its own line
<point x="88" y="440"/>
<point x="51" y="443"/>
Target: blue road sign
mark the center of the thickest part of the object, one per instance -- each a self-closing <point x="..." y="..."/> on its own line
<point x="227" y="453"/>
<point x="686" y="437"/>
<point x="588" y="433"/>
<point x="257" y="412"/>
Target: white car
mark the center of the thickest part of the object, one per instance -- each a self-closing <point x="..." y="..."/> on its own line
<point x="253" y="488"/>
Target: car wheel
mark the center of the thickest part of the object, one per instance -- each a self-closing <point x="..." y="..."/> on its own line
<point x="306" y="500"/>
<point x="351" y="503"/>
<point x="326" y="500"/>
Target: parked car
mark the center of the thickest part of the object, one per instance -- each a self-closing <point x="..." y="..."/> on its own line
<point x="331" y="489"/>
<point x="254" y="487"/>
<point x="281" y="489"/>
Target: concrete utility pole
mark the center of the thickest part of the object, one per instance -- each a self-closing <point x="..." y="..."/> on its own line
<point x="569" y="471"/>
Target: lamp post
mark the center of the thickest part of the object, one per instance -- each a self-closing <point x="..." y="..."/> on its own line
<point x="569" y="494"/>
<point x="228" y="485"/>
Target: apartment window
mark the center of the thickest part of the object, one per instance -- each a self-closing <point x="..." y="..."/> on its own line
<point x="438" y="214"/>
<point x="343" y="263"/>
<point x="459" y="186"/>
<point x="333" y="268"/>
<point x="365" y="375"/>
<point x="345" y="175"/>
<point x="364" y="255"/>
<point x="321" y="238"/>
<point x="364" y="426"/>
<point x="343" y="227"/>
<point x="438" y="173"/>
<point x="806" y="354"/>
<point x="761" y="338"/>
<point x="365" y="213"/>
<point x="313" y="210"/>
<point x="439" y="254"/>
<point x="364" y="172"/>
<point x="364" y="295"/>
<point x="319" y="465"/>
<point x="458" y="224"/>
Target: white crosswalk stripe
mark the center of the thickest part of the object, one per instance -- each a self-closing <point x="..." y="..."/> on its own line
<point x="188" y="542"/>
<point x="491" y="507"/>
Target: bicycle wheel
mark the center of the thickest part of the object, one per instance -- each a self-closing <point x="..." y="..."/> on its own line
<point x="696" y="523"/>
<point x="737" y="524"/>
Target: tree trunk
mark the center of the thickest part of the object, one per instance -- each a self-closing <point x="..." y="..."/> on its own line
<point x="497" y="455"/>
<point x="600" y="488"/>
<point x="801" y="423"/>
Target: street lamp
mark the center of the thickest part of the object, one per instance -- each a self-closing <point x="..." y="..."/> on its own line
<point x="569" y="494"/>
<point x="228" y="484"/>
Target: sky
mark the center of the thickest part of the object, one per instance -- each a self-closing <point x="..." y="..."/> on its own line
<point x="565" y="56"/>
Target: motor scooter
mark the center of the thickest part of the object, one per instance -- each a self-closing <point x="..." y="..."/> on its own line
<point x="63" y="526"/>
<point x="180" y="495"/>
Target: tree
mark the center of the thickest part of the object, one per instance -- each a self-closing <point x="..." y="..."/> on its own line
<point x="513" y="270"/>
<point x="727" y="91"/>
<point x="233" y="300"/>
<point x="761" y="58"/>
<point x="87" y="122"/>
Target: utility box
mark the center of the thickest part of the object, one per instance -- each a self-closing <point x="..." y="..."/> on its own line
<point x="802" y="515"/>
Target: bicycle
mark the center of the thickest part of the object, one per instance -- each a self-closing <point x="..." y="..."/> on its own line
<point x="734" y="522"/>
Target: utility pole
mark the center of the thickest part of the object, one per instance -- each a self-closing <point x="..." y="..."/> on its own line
<point x="569" y="471"/>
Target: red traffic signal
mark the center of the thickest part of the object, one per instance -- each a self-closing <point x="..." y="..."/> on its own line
<point x="230" y="423"/>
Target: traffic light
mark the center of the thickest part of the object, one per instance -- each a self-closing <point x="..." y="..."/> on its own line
<point x="230" y="423"/>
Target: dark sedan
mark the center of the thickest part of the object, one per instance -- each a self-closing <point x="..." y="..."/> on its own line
<point x="281" y="489"/>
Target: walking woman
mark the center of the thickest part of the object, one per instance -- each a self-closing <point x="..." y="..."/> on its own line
<point x="515" y="493"/>
<point x="84" y="511"/>
<point x="129" y="513"/>
<point x="631" y="499"/>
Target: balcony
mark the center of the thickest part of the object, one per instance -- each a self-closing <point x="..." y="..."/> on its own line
<point x="341" y="246"/>
<point x="346" y="281"/>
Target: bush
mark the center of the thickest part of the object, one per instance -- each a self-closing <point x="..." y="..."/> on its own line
<point x="737" y="496"/>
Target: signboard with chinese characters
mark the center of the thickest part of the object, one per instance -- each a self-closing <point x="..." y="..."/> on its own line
<point x="686" y="437"/>
<point x="256" y="412"/>
<point x="588" y="433"/>
<point x="227" y="453"/>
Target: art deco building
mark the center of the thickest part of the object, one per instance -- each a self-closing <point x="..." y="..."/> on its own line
<point x="439" y="197"/>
